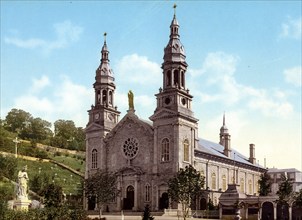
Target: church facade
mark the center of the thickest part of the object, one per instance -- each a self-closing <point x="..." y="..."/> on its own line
<point x="145" y="154"/>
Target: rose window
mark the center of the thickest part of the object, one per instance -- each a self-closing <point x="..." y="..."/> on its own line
<point x="130" y="147"/>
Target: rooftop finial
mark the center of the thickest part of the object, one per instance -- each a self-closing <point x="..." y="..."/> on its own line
<point x="223" y="118"/>
<point x="105" y="34"/>
<point x="174" y="6"/>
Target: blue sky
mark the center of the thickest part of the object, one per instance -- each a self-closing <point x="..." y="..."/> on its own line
<point x="244" y="59"/>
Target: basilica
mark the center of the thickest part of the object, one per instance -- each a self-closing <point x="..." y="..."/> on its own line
<point x="145" y="154"/>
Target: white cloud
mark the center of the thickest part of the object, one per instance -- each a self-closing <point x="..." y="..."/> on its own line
<point x="67" y="100"/>
<point x="39" y="84"/>
<point x="135" y="69"/>
<point x="293" y="75"/>
<point x="66" y="33"/>
<point x="27" y="44"/>
<point x="218" y="71"/>
<point x="292" y="28"/>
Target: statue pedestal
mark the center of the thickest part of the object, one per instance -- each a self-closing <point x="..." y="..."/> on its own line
<point x="22" y="204"/>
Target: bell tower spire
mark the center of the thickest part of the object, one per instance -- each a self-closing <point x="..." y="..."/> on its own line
<point x="173" y="118"/>
<point x="104" y="112"/>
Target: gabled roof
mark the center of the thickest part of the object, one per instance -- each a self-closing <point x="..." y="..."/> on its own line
<point x="129" y="116"/>
<point x="215" y="149"/>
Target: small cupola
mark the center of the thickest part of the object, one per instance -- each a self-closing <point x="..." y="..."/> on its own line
<point x="225" y="138"/>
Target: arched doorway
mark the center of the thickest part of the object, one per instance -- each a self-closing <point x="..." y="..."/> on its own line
<point x="282" y="210"/>
<point x="267" y="211"/>
<point x="164" y="201"/>
<point x="297" y="212"/>
<point x="203" y="204"/>
<point x="91" y="203"/>
<point x="129" y="200"/>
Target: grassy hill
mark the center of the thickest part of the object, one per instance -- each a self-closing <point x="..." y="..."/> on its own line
<point x="70" y="181"/>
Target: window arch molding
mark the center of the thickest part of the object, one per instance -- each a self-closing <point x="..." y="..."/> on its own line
<point x="165" y="149"/>
<point x="186" y="150"/>
<point x="94" y="159"/>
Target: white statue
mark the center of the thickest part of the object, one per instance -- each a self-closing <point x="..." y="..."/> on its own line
<point x="22" y="183"/>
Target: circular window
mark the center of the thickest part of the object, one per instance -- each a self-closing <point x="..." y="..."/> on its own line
<point x="130" y="147"/>
<point x="183" y="101"/>
<point x="167" y="101"/>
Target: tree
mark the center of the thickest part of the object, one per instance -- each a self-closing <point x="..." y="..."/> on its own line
<point x="8" y="167"/>
<point x="298" y="198"/>
<point x="67" y="135"/>
<point x="285" y="192"/>
<point x="103" y="186"/>
<point x="185" y="187"/>
<point x="264" y="184"/>
<point x="53" y="195"/>
<point x="17" y="119"/>
<point x="147" y="214"/>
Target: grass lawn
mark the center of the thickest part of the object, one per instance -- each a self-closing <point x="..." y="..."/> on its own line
<point x="70" y="182"/>
<point x="74" y="162"/>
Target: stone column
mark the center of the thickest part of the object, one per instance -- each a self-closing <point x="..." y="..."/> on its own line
<point x="290" y="212"/>
<point x="118" y="198"/>
<point x="135" y="194"/>
<point x="275" y="211"/>
<point x="246" y="207"/>
<point x="157" y="198"/>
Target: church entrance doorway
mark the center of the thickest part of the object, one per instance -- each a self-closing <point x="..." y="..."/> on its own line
<point x="91" y="203"/>
<point x="203" y="204"/>
<point x="164" y="201"/>
<point x="129" y="200"/>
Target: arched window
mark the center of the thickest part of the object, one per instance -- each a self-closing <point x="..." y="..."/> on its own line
<point x="104" y="97"/>
<point x="242" y="185"/>
<point x="147" y="192"/>
<point x="186" y="150"/>
<point x="213" y="181"/>
<point x="94" y="159"/>
<point x="176" y="79"/>
<point x="250" y="187"/>
<point x="99" y="97"/>
<point x="110" y="98"/>
<point x="224" y="183"/>
<point x="182" y="79"/>
<point x="169" y="78"/>
<point x="165" y="151"/>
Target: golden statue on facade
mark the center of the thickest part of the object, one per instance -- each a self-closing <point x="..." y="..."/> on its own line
<point x="130" y="100"/>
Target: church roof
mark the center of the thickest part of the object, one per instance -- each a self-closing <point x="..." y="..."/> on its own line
<point x="217" y="150"/>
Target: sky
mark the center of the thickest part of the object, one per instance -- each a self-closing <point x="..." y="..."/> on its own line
<point x="244" y="59"/>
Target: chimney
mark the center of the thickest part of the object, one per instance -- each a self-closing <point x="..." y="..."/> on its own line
<point x="252" y="158"/>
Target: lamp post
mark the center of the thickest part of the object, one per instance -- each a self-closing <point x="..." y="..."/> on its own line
<point x="16" y="141"/>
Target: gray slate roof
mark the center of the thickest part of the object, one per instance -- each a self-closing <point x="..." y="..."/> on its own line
<point x="217" y="150"/>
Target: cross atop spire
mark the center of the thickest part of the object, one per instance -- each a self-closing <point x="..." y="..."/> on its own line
<point x="105" y="34"/>
<point x="174" y="6"/>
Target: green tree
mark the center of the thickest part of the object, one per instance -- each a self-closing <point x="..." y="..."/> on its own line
<point x="103" y="186"/>
<point x="8" y="167"/>
<point x="264" y="184"/>
<point x="53" y="195"/>
<point x="67" y="135"/>
<point x="285" y="193"/>
<point x="298" y="198"/>
<point x="147" y="214"/>
<point x="185" y="187"/>
<point x="17" y="120"/>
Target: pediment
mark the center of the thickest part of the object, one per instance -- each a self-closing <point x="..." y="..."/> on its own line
<point x="132" y="117"/>
<point x="130" y="170"/>
<point x="163" y="113"/>
<point x="93" y="127"/>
